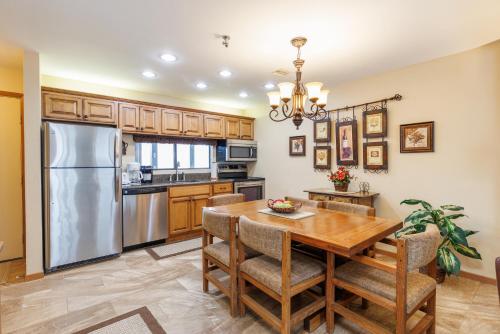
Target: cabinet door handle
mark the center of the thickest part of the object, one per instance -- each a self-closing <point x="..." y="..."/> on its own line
<point x="85" y="116"/>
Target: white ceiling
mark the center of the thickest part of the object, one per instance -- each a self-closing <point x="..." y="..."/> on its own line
<point x="113" y="41"/>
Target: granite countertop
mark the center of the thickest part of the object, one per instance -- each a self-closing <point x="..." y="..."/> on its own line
<point x="187" y="182"/>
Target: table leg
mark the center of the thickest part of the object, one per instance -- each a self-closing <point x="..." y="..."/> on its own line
<point x="330" y="292"/>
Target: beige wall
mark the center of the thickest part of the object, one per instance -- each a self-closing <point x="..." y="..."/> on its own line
<point x="63" y="83"/>
<point x="461" y="94"/>
<point x="11" y="79"/>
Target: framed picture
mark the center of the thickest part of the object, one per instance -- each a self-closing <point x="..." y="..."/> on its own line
<point x="347" y="143"/>
<point x="297" y="146"/>
<point x="375" y="155"/>
<point x="375" y="123"/>
<point x="416" y="137"/>
<point x="322" y="131"/>
<point x="322" y="157"/>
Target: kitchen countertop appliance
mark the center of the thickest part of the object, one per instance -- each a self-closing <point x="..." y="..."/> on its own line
<point x="134" y="172"/>
<point x="147" y="174"/>
<point x="253" y="187"/>
<point x="82" y="193"/>
<point x="145" y="216"/>
<point x="235" y="150"/>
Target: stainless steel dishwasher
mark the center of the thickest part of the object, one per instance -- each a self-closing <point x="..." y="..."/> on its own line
<point x="145" y="216"/>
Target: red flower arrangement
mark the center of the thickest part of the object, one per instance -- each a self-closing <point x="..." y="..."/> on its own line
<point x="341" y="178"/>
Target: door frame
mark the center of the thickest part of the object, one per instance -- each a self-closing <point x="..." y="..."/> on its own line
<point x="20" y="96"/>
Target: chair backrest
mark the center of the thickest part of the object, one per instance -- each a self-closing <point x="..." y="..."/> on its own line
<point x="217" y="224"/>
<point x="305" y="202"/>
<point x="357" y="209"/>
<point x="225" y="199"/>
<point x="263" y="238"/>
<point x="421" y="248"/>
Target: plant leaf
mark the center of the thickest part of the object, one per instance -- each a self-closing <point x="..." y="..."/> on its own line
<point x="415" y="216"/>
<point x="467" y="251"/>
<point x="410" y="229"/>
<point x="411" y="201"/>
<point x="455" y="216"/>
<point x="448" y="261"/>
<point x="452" y="207"/>
<point x="457" y="235"/>
<point x="469" y="232"/>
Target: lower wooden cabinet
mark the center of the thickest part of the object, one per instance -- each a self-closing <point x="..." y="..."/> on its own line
<point x="179" y="215"/>
<point x="197" y="203"/>
<point x="185" y="207"/>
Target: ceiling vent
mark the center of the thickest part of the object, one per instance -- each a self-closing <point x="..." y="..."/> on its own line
<point x="281" y="72"/>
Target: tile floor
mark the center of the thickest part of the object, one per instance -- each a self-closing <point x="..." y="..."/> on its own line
<point x="171" y="288"/>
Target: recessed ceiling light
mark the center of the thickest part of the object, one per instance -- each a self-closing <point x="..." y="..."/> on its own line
<point x="168" y="57"/>
<point x="149" y="74"/>
<point x="225" y="73"/>
<point x="201" y="85"/>
<point x="243" y="94"/>
<point x="269" y="85"/>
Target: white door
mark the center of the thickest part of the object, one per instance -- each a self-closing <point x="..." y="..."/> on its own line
<point x="11" y="191"/>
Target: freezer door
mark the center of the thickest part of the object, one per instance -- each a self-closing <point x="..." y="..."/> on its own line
<point x="74" y="145"/>
<point x="83" y="214"/>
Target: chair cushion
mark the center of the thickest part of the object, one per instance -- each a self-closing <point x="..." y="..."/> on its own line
<point x="267" y="270"/>
<point x="384" y="284"/>
<point x="220" y="251"/>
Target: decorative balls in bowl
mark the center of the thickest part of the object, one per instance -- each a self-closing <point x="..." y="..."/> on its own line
<point x="283" y="206"/>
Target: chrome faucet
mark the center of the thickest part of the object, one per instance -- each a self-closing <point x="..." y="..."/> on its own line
<point x="177" y="170"/>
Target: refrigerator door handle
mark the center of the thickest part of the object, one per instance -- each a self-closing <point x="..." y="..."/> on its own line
<point x="118" y="143"/>
<point x="118" y="183"/>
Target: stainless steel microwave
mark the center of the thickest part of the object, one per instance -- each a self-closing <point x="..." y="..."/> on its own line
<point x="236" y="150"/>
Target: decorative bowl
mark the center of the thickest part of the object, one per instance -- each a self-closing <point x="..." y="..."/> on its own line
<point x="282" y="206"/>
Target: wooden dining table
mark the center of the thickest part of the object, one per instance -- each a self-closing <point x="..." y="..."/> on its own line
<point x="338" y="233"/>
<point x="334" y="231"/>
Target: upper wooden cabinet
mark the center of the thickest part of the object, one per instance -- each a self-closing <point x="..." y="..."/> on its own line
<point x="171" y="122"/>
<point x="246" y="129"/>
<point x="149" y="121"/>
<point x="62" y="106"/>
<point x="192" y="124"/>
<point x="98" y="110"/>
<point x="214" y="126"/>
<point x="128" y="115"/>
<point x="232" y="127"/>
<point x="137" y="117"/>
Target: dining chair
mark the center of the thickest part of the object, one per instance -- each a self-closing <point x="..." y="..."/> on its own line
<point x="222" y="255"/>
<point x="398" y="288"/>
<point x="357" y="209"/>
<point x="225" y="199"/>
<point x="279" y="273"/>
<point x="305" y="202"/>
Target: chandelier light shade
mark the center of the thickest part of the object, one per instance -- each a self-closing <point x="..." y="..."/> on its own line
<point x="297" y="93"/>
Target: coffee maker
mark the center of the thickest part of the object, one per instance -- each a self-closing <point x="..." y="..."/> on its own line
<point x="134" y="173"/>
<point x="147" y="174"/>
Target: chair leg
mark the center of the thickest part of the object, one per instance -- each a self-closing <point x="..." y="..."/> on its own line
<point x="431" y="310"/>
<point x="233" y="298"/>
<point x="205" y="271"/>
<point x="364" y="303"/>
<point x="400" y="323"/>
<point x="242" y="287"/>
<point x="285" y="315"/>
<point x="330" y="293"/>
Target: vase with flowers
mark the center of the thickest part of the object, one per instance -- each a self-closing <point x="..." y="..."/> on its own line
<point x="340" y="178"/>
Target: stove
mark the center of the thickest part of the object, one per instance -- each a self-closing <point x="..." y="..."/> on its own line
<point x="252" y="187"/>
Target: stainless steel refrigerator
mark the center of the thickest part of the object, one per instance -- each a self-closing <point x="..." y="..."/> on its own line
<point x="82" y="193"/>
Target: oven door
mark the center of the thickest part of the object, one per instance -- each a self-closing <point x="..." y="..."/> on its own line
<point x="253" y="191"/>
<point x="239" y="152"/>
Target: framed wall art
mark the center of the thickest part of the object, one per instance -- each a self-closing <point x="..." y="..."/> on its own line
<point x="416" y="137"/>
<point x="375" y="155"/>
<point x="347" y="143"/>
<point x="375" y="123"/>
<point x="297" y="146"/>
<point x="322" y="131"/>
<point x="322" y="157"/>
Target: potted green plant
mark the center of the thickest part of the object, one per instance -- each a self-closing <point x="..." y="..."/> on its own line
<point x="340" y="178"/>
<point x="453" y="237"/>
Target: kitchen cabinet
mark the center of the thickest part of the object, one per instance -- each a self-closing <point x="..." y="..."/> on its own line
<point x="171" y="122"/>
<point x="62" y="106"/>
<point x="246" y="129"/>
<point x="185" y="207"/>
<point x="192" y="124"/>
<point x="128" y="115"/>
<point x="214" y="126"/>
<point x="222" y="188"/>
<point x="232" y="126"/>
<point x="149" y="121"/>
<point x="99" y="110"/>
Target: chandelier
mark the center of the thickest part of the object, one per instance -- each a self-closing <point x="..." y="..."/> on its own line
<point x="297" y="93"/>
